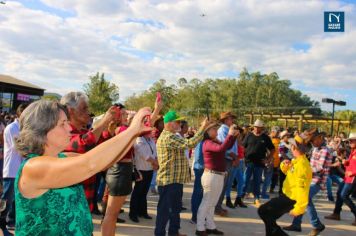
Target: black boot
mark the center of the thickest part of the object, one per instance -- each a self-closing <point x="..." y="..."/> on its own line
<point x="229" y="203"/>
<point x="240" y="203"/>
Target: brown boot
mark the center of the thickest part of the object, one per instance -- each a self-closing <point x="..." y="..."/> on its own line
<point x="333" y="216"/>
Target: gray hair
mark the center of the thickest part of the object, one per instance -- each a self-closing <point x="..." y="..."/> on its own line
<point x="72" y="99"/>
<point x="35" y="122"/>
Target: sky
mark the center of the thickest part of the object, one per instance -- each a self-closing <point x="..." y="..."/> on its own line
<point x="57" y="45"/>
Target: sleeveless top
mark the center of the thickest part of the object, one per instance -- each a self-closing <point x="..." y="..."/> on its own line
<point x="60" y="211"/>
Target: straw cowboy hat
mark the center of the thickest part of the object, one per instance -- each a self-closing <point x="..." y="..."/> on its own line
<point x="212" y="124"/>
<point x="225" y="115"/>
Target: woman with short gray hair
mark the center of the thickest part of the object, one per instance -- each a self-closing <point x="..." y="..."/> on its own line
<point x="49" y="200"/>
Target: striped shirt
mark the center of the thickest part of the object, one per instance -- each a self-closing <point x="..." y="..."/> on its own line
<point x="320" y="162"/>
<point x="173" y="164"/>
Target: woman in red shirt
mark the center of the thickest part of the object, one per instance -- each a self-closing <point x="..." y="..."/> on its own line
<point x="350" y="176"/>
<point x="213" y="177"/>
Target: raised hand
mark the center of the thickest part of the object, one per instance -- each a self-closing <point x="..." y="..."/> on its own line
<point x="138" y="121"/>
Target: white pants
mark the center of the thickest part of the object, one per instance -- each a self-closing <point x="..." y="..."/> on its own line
<point x="212" y="185"/>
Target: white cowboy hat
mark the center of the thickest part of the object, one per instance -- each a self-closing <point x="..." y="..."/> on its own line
<point x="283" y="133"/>
<point x="259" y="123"/>
<point x="352" y="136"/>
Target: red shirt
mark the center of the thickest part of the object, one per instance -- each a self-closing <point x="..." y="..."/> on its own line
<point x="241" y="152"/>
<point x="351" y="166"/>
<point x="214" y="153"/>
<point x="82" y="141"/>
<point x="130" y="153"/>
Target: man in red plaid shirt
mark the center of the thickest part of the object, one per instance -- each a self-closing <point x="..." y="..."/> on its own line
<point x="82" y="139"/>
<point x="320" y="163"/>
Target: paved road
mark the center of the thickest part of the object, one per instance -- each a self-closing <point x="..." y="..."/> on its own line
<point x="239" y="222"/>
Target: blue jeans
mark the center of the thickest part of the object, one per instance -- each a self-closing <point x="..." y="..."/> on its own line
<point x="197" y="195"/>
<point x="230" y="181"/>
<point x="168" y="209"/>
<point x="344" y="192"/>
<point x="330" y="180"/>
<point x="256" y="171"/>
<point x="153" y="182"/>
<point x="313" y="215"/>
<point x="8" y="215"/>
<point x="267" y="173"/>
<point x="238" y="174"/>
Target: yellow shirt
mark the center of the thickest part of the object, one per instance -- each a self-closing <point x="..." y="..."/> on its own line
<point x="276" y="160"/>
<point x="297" y="183"/>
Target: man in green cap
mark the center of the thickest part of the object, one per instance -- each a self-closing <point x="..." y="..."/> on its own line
<point x="173" y="172"/>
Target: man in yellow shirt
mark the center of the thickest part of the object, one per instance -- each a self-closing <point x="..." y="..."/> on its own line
<point x="294" y="198"/>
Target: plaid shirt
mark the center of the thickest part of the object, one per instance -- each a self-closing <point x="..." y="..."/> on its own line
<point x="173" y="164"/>
<point x="82" y="141"/>
<point x="320" y="162"/>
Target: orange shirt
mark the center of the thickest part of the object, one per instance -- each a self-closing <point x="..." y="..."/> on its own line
<point x="276" y="160"/>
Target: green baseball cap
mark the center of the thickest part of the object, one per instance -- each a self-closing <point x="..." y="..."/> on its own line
<point x="172" y="115"/>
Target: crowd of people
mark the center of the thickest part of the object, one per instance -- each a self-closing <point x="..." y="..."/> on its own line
<point x="59" y="164"/>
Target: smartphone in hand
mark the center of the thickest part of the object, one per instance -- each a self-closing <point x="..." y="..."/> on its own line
<point x="147" y="121"/>
<point x="158" y="97"/>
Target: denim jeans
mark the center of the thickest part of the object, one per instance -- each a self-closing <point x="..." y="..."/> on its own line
<point x="153" y="182"/>
<point x="168" y="209"/>
<point x="330" y="180"/>
<point x="313" y="215"/>
<point x="8" y="215"/>
<point x="267" y="174"/>
<point x="230" y="181"/>
<point x="344" y="192"/>
<point x="197" y="195"/>
<point x="238" y="174"/>
<point x="256" y="171"/>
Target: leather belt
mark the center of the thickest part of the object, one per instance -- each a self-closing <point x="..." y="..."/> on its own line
<point x="215" y="172"/>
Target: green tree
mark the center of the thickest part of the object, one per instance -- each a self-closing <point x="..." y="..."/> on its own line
<point x="251" y="92"/>
<point x="102" y="94"/>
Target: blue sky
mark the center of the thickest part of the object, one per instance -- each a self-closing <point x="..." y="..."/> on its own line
<point x="58" y="44"/>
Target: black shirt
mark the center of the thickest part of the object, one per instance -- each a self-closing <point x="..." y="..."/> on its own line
<point x="256" y="148"/>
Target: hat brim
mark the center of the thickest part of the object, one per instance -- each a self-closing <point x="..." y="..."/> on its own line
<point x="223" y="118"/>
<point x="180" y="118"/>
<point x="259" y="126"/>
<point x="286" y="134"/>
<point x="212" y="126"/>
<point x="352" y="138"/>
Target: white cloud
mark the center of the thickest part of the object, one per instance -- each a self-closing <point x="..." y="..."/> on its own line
<point x="137" y="42"/>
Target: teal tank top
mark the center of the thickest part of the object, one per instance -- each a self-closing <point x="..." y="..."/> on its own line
<point x="62" y="211"/>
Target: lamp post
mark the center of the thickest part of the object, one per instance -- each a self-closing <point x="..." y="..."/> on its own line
<point x="340" y="103"/>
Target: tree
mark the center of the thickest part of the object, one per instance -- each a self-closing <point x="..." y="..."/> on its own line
<point x="101" y="93"/>
<point x="251" y="92"/>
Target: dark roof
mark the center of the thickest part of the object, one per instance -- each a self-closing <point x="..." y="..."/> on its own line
<point x="11" y="80"/>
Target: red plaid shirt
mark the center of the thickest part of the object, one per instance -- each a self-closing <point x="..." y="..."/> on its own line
<point x="82" y="141"/>
<point x="320" y="162"/>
